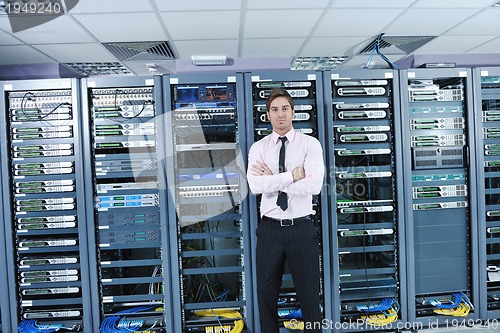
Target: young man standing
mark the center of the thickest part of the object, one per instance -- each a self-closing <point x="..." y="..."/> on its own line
<point x="287" y="168"/>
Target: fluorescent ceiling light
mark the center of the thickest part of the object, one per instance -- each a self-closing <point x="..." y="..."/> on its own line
<point x="209" y="60"/>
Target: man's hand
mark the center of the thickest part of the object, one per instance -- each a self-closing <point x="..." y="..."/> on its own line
<point x="298" y="173"/>
<point x="260" y="169"/>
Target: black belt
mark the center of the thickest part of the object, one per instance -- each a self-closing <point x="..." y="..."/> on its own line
<point x="289" y="222"/>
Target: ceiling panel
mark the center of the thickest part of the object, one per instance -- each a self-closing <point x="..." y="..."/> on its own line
<point x="186" y="49"/>
<point x="416" y="22"/>
<point x="7" y="39"/>
<point x="257" y="29"/>
<point x="280" y="23"/>
<point x="339" y="22"/>
<point x="4" y="23"/>
<point x="286" y="4"/>
<point x="452" y="3"/>
<point x="60" y="30"/>
<point x="202" y="25"/>
<point x="271" y="47"/>
<point x="22" y="54"/>
<point x="372" y="4"/>
<point x="451" y="44"/>
<point x="486" y="23"/>
<point x="197" y="5"/>
<point x="331" y="46"/>
<point x="123" y="27"/>
<point x="79" y="52"/>
<point x="111" y="6"/>
<point x="492" y="46"/>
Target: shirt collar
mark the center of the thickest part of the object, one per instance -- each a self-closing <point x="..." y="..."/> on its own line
<point x="290" y="135"/>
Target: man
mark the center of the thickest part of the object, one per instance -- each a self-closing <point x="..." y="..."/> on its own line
<point x="287" y="229"/>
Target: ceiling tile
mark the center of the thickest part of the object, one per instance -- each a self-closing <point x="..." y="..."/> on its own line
<point x="197" y="5"/>
<point x="271" y="47"/>
<point x="280" y="23"/>
<point x="111" y="6"/>
<point x="22" y="54"/>
<point x="345" y="22"/>
<point x="186" y="49"/>
<point x="419" y="22"/>
<point x="4" y="23"/>
<point x="60" y="30"/>
<point x="451" y="45"/>
<point x="486" y="23"/>
<point x="7" y="39"/>
<point x="285" y="4"/>
<point x="202" y="25"/>
<point x="489" y="47"/>
<point x="452" y="4"/>
<point x="372" y="4"/>
<point x="331" y="46"/>
<point x="94" y="52"/>
<point x="123" y="27"/>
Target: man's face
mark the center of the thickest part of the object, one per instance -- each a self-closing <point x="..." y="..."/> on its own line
<point x="281" y="115"/>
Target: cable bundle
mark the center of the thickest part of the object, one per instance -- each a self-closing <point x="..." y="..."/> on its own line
<point x="460" y="306"/>
<point x="224" y="313"/>
<point x="380" y="314"/>
<point x="119" y="324"/>
<point x="376" y="48"/>
<point x="32" y="326"/>
<point x="290" y="313"/>
<point x="294" y="325"/>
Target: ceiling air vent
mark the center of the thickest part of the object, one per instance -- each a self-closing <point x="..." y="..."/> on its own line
<point x="141" y="50"/>
<point x="98" y="68"/>
<point x="397" y="44"/>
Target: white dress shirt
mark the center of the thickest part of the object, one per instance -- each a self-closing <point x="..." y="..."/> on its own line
<point x="300" y="150"/>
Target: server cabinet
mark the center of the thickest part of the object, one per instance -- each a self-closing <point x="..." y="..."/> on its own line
<point x="306" y="89"/>
<point x="487" y="120"/>
<point x="207" y="199"/>
<point x="125" y="192"/>
<point x="4" y="299"/>
<point x="437" y="120"/>
<point x="365" y="177"/>
<point x="43" y="199"/>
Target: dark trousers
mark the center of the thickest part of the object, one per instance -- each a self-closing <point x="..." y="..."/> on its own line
<point x="299" y="247"/>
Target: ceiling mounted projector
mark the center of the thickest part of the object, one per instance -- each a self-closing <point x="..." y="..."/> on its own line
<point x="209" y="60"/>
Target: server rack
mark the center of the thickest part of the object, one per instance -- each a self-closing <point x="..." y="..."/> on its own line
<point x="127" y="209"/>
<point x="207" y="200"/>
<point x="44" y="219"/>
<point x="4" y="299"/>
<point x="306" y="88"/>
<point x="487" y="118"/>
<point x="437" y="120"/>
<point x="365" y="177"/>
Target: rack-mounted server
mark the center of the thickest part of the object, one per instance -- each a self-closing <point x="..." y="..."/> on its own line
<point x="437" y="119"/>
<point x="306" y="89"/>
<point x="44" y="205"/>
<point x="365" y="171"/>
<point x="487" y="120"/>
<point x="207" y="188"/>
<point x="127" y="205"/>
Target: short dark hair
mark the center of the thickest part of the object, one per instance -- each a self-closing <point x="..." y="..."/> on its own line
<point x="278" y="92"/>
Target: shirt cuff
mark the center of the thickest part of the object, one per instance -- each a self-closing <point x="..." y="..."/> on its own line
<point x="286" y="178"/>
